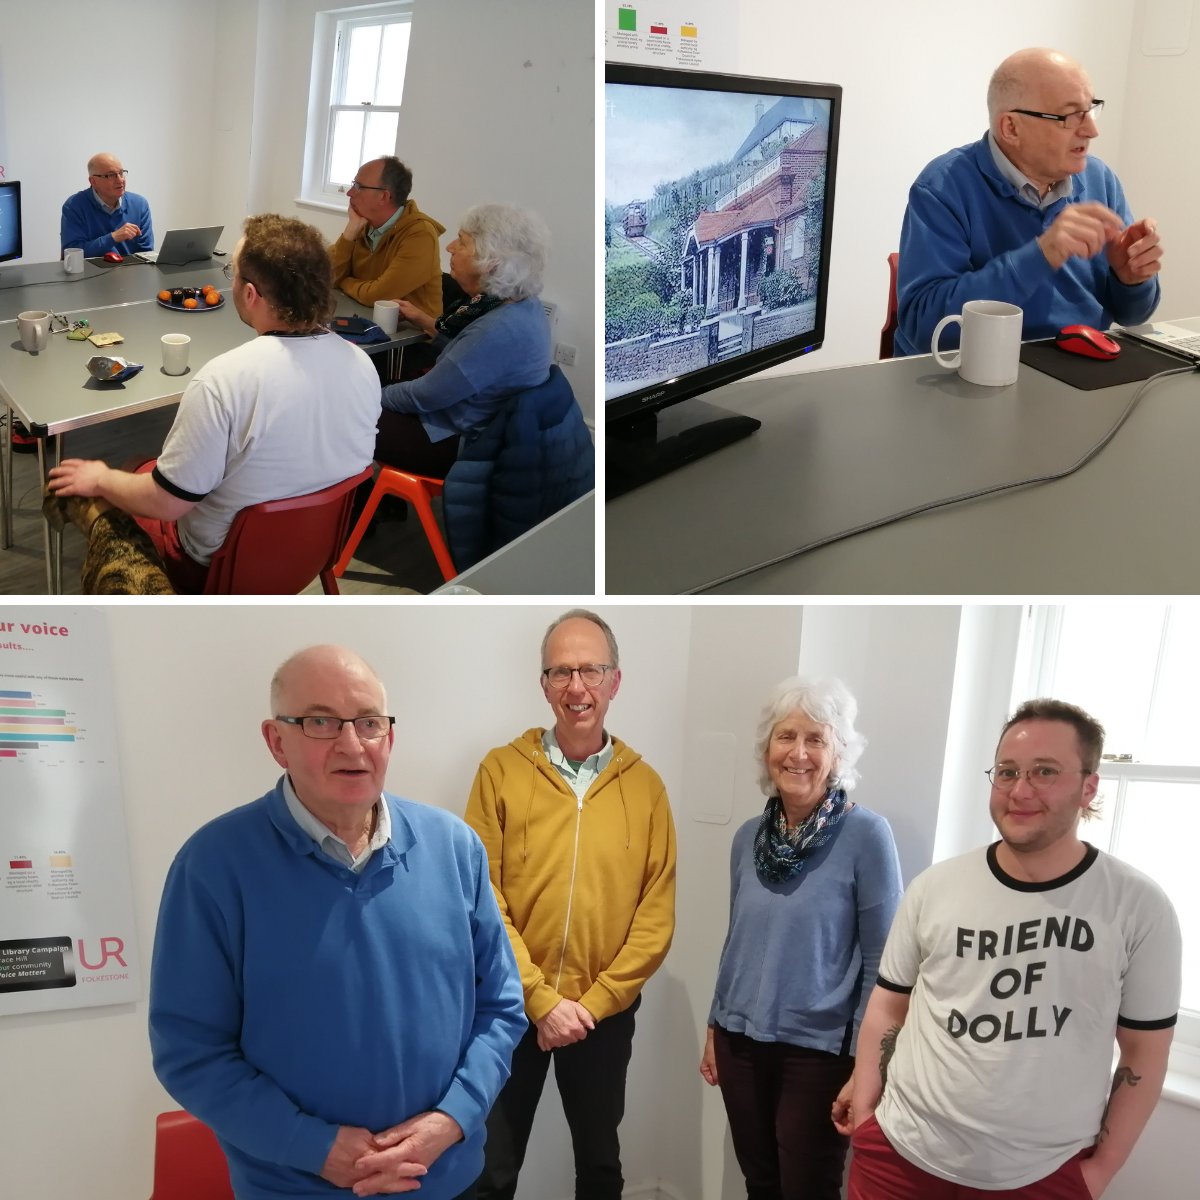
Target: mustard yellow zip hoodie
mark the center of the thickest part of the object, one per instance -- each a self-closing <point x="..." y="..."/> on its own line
<point x="586" y="887"/>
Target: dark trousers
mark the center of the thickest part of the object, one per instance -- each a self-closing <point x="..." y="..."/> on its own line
<point x="402" y="442"/>
<point x="591" y="1082"/>
<point x="778" y="1099"/>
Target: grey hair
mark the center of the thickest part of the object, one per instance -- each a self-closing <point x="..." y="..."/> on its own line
<point x="510" y="249"/>
<point x="827" y="701"/>
<point x="1005" y="90"/>
<point x="585" y="614"/>
<point x="397" y="178"/>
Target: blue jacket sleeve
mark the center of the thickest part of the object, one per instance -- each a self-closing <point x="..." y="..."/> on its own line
<point x="879" y="887"/>
<point x="935" y="268"/>
<point x="1129" y="304"/>
<point x="441" y="387"/>
<point x="499" y="1012"/>
<point x="145" y="240"/>
<point x="73" y="231"/>
<point x="195" y="1026"/>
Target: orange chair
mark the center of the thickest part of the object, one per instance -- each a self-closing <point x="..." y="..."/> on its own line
<point x="888" y="333"/>
<point x="418" y="490"/>
<point x="188" y="1163"/>
<point x="279" y="547"/>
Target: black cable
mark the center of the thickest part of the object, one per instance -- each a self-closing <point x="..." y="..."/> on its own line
<point x="931" y="505"/>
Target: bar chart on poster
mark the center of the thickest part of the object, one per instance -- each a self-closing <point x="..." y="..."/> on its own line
<point x="66" y="909"/>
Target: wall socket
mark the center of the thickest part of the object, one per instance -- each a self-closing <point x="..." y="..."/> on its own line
<point x="564" y="354"/>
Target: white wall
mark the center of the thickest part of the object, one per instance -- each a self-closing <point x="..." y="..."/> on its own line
<point x="914" y="77"/>
<point x="498" y="106"/>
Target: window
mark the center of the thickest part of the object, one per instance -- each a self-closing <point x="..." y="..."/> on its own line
<point x="1133" y="667"/>
<point x="359" y="63"/>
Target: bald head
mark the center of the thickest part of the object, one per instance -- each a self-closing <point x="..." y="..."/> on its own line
<point x="310" y="672"/>
<point x="101" y="164"/>
<point x="1034" y="78"/>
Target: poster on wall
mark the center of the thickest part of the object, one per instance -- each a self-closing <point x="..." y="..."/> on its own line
<point x="67" y="936"/>
<point x="670" y="33"/>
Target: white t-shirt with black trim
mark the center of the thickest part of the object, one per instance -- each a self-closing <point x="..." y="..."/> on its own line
<point x="273" y="418"/>
<point x="1002" y="1068"/>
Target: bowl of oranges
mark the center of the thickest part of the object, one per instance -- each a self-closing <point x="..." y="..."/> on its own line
<point x="191" y="299"/>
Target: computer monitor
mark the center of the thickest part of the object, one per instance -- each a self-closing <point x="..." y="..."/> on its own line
<point x="10" y="219"/>
<point x="718" y="220"/>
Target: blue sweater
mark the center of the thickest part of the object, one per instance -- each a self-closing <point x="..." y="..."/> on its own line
<point x="85" y="223"/>
<point x="289" y="995"/>
<point x="800" y="957"/>
<point x="969" y="235"/>
<point x="504" y="351"/>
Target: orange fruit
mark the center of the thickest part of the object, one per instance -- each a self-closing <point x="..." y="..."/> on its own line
<point x="190" y="303"/>
<point x="211" y="298"/>
<point x="165" y="296"/>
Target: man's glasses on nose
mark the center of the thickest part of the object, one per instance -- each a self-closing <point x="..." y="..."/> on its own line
<point x="326" y="728"/>
<point x="1069" y="121"/>
<point x="109" y="176"/>
<point x="364" y="187"/>
<point x="590" y="675"/>
<point x="1004" y="778"/>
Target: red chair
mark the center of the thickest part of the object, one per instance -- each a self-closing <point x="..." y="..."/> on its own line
<point x="188" y="1162"/>
<point x="279" y="547"/>
<point x="888" y="333"/>
<point x="418" y="490"/>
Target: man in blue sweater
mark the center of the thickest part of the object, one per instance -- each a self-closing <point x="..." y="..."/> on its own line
<point x="1024" y="215"/>
<point x="333" y="990"/>
<point x="104" y="217"/>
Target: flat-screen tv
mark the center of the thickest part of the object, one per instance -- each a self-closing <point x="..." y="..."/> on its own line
<point x="718" y="220"/>
<point x="10" y="219"/>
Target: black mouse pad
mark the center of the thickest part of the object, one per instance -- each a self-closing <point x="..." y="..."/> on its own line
<point x="1136" y="361"/>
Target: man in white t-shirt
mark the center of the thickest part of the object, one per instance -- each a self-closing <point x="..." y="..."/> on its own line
<point x="291" y="411"/>
<point x="985" y="1054"/>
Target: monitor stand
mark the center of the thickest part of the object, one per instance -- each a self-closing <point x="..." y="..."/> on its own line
<point x="640" y="449"/>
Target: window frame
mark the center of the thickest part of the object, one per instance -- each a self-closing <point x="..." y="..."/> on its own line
<point x="330" y="54"/>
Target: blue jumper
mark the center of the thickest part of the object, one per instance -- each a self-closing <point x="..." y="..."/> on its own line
<point x="801" y="957"/>
<point x="86" y="224"/>
<point x="289" y="995"/>
<point x="969" y="235"/>
<point x="504" y="351"/>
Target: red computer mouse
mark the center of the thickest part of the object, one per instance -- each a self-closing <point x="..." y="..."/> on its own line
<point x="113" y="256"/>
<point x="1091" y="343"/>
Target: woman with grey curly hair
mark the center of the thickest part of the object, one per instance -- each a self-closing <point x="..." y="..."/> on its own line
<point x="815" y="884"/>
<point x="494" y="342"/>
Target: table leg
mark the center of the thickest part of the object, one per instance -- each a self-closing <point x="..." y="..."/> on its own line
<point x="49" y="453"/>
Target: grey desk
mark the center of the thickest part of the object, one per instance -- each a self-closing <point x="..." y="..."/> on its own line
<point x="52" y="393"/>
<point x="843" y="447"/>
<point x="557" y="557"/>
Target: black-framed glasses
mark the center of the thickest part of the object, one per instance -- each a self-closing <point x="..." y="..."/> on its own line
<point x="369" y="729"/>
<point x="1040" y="778"/>
<point x="590" y="675"/>
<point x="109" y="176"/>
<point x="1069" y="121"/>
<point x="364" y="187"/>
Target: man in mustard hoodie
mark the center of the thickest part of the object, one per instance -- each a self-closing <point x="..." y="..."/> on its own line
<point x="581" y="850"/>
<point x="389" y="248"/>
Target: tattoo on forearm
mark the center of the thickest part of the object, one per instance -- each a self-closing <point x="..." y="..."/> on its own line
<point x="1120" y="1076"/>
<point x="887" y="1047"/>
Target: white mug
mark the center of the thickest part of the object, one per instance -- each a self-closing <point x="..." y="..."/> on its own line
<point x="73" y="260"/>
<point x="991" y="342"/>
<point x="175" y="353"/>
<point x="34" y="328"/>
<point x="386" y="315"/>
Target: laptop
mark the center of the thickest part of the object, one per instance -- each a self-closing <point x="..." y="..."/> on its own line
<point x="1163" y="336"/>
<point x="182" y="246"/>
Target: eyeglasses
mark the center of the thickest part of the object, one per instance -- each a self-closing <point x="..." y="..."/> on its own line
<point x="590" y="675"/>
<point x="1041" y="778"/>
<point x="369" y="729"/>
<point x="1069" y="121"/>
<point x="109" y="176"/>
<point x="364" y="187"/>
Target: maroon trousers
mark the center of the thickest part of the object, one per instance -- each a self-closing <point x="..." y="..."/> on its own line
<point x="877" y="1172"/>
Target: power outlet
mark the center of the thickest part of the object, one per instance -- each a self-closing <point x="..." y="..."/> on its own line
<point x="564" y="355"/>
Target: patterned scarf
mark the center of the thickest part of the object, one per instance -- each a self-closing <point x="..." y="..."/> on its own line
<point x="457" y="319"/>
<point x="780" y="853"/>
